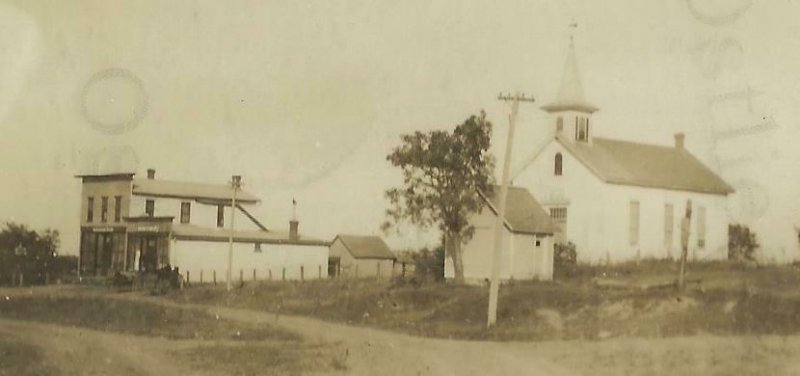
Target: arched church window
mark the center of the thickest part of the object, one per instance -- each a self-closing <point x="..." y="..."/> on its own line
<point x="558" y="164"/>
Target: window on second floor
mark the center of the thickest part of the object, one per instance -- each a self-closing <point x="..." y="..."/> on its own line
<point x="558" y="164"/>
<point x="104" y="209"/>
<point x="150" y="207"/>
<point x="186" y="211"/>
<point x="220" y="216"/>
<point x="90" y="209"/>
<point x="117" y="208"/>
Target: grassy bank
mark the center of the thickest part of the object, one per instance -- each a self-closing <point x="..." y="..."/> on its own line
<point x="727" y="300"/>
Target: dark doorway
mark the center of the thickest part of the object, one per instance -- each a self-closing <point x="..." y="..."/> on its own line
<point x="105" y="244"/>
<point x="334" y="266"/>
<point x="148" y="261"/>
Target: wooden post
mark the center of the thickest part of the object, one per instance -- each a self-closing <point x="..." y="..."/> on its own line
<point x="302" y="273"/>
<point x="241" y="276"/>
<point x="214" y="276"/>
<point x="254" y="274"/>
<point x="270" y="274"/>
<point x="201" y="276"/>
<point x="685" y="230"/>
<point x="283" y="277"/>
<point x="319" y="272"/>
<point x="187" y="277"/>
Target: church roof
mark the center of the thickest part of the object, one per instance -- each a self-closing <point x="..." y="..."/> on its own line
<point x="570" y="94"/>
<point x="523" y="212"/>
<point x="653" y="166"/>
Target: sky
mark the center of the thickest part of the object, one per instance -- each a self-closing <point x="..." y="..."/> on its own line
<point x="304" y="99"/>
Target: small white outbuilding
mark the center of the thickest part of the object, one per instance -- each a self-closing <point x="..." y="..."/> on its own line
<point x="528" y="246"/>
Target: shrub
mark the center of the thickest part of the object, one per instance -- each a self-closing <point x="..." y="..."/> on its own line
<point x="565" y="259"/>
<point x="742" y="243"/>
<point x="429" y="264"/>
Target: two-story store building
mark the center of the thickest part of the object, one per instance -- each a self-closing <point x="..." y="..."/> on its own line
<point x="130" y="224"/>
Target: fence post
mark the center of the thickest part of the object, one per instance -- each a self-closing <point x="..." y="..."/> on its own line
<point x="302" y="273"/>
<point x="254" y="274"/>
<point x="187" y="277"/>
<point x="270" y="274"/>
<point x="319" y="267"/>
<point x="241" y="276"/>
<point x="214" y="276"/>
<point x="284" y="274"/>
<point x="201" y="276"/>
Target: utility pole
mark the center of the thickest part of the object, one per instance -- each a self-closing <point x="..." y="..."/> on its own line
<point x="685" y="230"/>
<point x="494" y="285"/>
<point x="236" y="183"/>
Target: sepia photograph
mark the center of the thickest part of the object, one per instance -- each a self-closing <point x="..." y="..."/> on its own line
<point x="350" y="187"/>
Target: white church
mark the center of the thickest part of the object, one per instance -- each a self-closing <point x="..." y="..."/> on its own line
<point x="620" y="200"/>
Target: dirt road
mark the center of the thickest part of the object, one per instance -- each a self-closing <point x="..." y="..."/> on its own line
<point x="374" y="352"/>
<point x="75" y="351"/>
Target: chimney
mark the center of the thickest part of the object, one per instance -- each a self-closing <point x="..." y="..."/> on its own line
<point x="151" y="173"/>
<point x="679" y="138"/>
<point x="293" y="224"/>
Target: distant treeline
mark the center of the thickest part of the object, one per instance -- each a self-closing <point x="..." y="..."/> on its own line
<point x="30" y="257"/>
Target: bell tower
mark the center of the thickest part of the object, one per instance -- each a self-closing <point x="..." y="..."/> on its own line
<point x="570" y="111"/>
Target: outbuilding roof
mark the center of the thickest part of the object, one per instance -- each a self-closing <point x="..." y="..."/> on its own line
<point x="654" y="166"/>
<point x="217" y="193"/>
<point x="523" y="213"/>
<point x="366" y="247"/>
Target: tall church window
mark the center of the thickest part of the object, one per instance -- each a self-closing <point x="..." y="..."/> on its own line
<point x="633" y="223"/>
<point x="220" y="216"/>
<point x="669" y="226"/>
<point x="559" y="160"/>
<point x="701" y="227"/>
<point x="186" y="210"/>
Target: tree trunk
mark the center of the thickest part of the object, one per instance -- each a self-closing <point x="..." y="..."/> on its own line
<point x="453" y="248"/>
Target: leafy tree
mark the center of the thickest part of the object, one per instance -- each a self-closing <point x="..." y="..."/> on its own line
<point x="442" y="175"/>
<point x="24" y="250"/>
<point x="742" y="243"/>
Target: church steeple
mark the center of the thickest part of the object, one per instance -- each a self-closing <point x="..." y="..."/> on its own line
<point x="570" y="105"/>
<point x="570" y="94"/>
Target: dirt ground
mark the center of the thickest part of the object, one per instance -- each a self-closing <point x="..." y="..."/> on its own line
<point x="366" y="351"/>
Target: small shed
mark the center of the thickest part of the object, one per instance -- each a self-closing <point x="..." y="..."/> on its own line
<point x="356" y="256"/>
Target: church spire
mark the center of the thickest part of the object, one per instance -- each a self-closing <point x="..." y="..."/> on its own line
<point x="570" y="94"/>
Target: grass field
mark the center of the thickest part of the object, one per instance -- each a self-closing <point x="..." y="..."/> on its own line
<point x="728" y="300"/>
